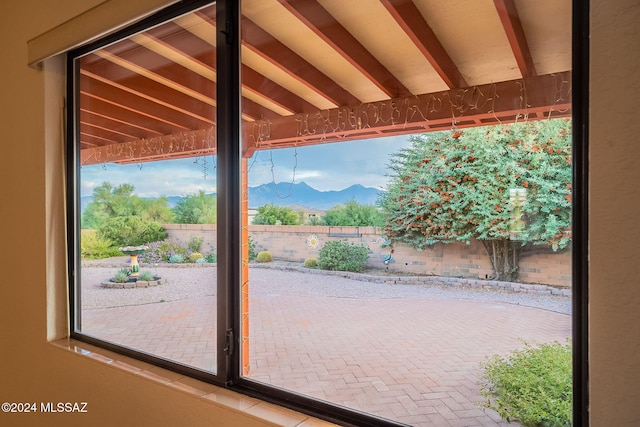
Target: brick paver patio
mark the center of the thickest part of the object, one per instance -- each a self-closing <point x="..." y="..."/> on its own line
<point x="414" y="360"/>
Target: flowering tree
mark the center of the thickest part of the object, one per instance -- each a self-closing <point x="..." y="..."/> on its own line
<point x="506" y="186"/>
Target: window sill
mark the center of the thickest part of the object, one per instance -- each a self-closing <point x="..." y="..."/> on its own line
<point x="209" y="393"/>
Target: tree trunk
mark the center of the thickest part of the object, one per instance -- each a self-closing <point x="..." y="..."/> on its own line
<point x="504" y="255"/>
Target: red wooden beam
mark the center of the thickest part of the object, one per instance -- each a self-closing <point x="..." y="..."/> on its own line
<point x="515" y="34"/>
<point x="410" y="19"/>
<point x="322" y="23"/>
<point x="534" y="97"/>
<point x="531" y="98"/>
<point x="262" y="43"/>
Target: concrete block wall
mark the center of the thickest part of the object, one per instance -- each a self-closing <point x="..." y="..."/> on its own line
<point x="292" y="243"/>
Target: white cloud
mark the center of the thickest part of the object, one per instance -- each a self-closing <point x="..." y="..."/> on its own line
<point x="325" y="167"/>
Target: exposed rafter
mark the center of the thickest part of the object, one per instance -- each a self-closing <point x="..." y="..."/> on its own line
<point x="503" y="102"/>
<point x="515" y="33"/>
<point x="324" y="25"/>
<point x="153" y="95"/>
<point x="418" y="30"/>
<point x="262" y="43"/>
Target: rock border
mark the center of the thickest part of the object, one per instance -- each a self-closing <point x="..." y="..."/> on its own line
<point x="430" y="280"/>
<point x="132" y="285"/>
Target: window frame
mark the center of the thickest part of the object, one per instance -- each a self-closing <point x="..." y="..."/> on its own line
<point x="228" y="128"/>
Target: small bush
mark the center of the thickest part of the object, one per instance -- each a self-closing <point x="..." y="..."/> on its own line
<point x="201" y="261"/>
<point x="195" y="257"/>
<point x="211" y="258"/>
<point x="176" y="258"/>
<point x="121" y="276"/>
<point x="252" y="249"/>
<point x="311" y="263"/>
<point x="146" y="276"/>
<point x="532" y="385"/>
<point x="92" y="246"/>
<point x="131" y="231"/>
<point x="161" y="251"/>
<point x="195" y="243"/>
<point x="264" y="256"/>
<point x="342" y="256"/>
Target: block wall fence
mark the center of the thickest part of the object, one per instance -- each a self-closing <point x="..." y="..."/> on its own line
<point x="291" y="243"/>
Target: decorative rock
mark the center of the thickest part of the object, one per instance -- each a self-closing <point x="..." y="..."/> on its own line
<point x="133" y="285"/>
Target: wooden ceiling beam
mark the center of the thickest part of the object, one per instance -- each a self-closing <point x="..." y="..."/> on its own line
<point x="515" y="34"/>
<point x="272" y="92"/>
<point x="162" y="111"/>
<point x="123" y="126"/>
<point x="490" y="103"/>
<point x="537" y="97"/>
<point x="130" y="114"/>
<point x="418" y="30"/>
<point x="325" y="26"/>
<point x="267" y="47"/>
<point x="172" y="146"/>
<point x="280" y="56"/>
<point x="193" y="46"/>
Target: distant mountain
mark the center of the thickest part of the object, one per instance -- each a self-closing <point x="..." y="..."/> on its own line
<point x="286" y="193"/>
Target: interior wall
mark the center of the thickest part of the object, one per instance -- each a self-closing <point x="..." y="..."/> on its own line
<point x="32" y="253"/>
<point x="33" y="370"/>
<point x="614" y="212"/>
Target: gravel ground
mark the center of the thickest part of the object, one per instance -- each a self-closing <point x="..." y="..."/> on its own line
<point x="196" y="281"/>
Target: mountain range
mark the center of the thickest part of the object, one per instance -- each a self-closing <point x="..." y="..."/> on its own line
<point x="287" y="193"/>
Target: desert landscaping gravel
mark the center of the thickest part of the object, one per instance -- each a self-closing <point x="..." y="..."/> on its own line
<point x="194" y="281"/>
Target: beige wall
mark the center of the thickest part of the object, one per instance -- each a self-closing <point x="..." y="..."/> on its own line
<point x="289" y="242"/>
<point x="32" y="370"/>
<point x="614" y="213"/>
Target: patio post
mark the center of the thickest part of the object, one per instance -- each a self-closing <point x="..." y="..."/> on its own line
<point x="245" y="267"/>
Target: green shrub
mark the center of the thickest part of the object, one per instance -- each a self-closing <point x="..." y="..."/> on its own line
<point x="146" y="276"/>
<point x="211" y="258"/>
<point x="121" y="276"/>
<point x="252" y="249"/>
<point x="311" y="263"/>
<point x="92" y="246"/>
<point x="131" y="231"/>
<point x="264" y="256"/>
<point x="195" y="243"/>
<point x="176" y="258"/>
<point x="162" y="251"/>
<point x="532" y="385"/>
<point x="201" y="261"/>
<point x="342" y="256"/>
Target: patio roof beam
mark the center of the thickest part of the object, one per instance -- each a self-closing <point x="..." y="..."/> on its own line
<point x="534" y="97"/>
<point x="269" y="48"/>
<point x="418" y="30"/>
<point x="325" y="26"/>
<point x="516" y="36"/>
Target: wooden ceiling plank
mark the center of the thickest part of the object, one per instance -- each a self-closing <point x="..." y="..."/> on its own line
<point x="96" y="140"/>
<point x="112" y="123"/>
<point x="125" y="79"/>
<point x="121" y="96"/>
<point x="89" y="128"/>
<point x="515" y="34"/>
<point x="129" y="114"/>
<point x="269" y="48"/>
<point x="259" y="84"/>
<point x="418" y="30"/>
<point x="184" y="42"/>
<point x="166" y="73"/>
<point x="323" y="24"/>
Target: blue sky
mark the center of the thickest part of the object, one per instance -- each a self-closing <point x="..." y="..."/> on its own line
<point x="333" y="166"/>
